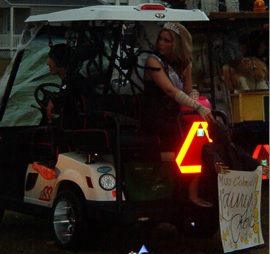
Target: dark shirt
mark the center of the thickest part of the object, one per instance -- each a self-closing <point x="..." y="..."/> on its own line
<point x="71" y="102"/>
<point x="231" y="155"/>
<point x="160" y="115"/>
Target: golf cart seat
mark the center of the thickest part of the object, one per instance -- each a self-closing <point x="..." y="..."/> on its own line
<point x="132" y="144"/>
<point x="90" y="141"/>
<point x="46" y="144"/>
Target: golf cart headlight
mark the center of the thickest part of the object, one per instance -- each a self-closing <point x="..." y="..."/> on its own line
<point x="107" y="182"/>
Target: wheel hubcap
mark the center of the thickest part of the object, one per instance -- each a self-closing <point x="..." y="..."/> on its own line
<point x="64" y="221"/>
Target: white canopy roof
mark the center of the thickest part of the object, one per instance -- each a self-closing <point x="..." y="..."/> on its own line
<point x="127" y="13"/>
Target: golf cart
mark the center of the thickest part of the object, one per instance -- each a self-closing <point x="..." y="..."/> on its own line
<point x="107" y="169"/>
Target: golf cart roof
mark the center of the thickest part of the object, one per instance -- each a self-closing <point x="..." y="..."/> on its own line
<point x="144" y="12"/>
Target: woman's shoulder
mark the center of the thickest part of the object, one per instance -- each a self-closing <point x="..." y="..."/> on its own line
<point x="154" y="58"/>
<point x="155" y="55"/>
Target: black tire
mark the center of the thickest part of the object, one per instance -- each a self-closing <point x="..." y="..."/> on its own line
<point x="68" y="219"/>
<point x="2" y="211"/>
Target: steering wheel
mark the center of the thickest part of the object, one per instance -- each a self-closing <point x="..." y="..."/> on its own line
<point x="44" y="92"/>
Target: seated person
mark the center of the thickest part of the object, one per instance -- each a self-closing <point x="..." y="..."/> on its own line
<point x="72" y="87"/>
<point x="221" y="156"/>
<point x="67" y="101"/>
<point x="168" y="83"/>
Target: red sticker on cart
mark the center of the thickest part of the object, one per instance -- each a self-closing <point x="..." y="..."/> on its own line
<point x="46" y="193"/>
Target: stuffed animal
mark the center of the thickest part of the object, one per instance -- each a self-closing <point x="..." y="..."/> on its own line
<point x="250" y="74"/>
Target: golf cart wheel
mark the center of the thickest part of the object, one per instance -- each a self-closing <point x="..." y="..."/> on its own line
<point x="68" y="219"/>
<point x="1" y="214"/>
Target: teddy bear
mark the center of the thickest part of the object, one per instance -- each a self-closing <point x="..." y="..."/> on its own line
<point x="250" y="74"/>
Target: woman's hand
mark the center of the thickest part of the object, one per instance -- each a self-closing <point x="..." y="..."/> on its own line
<point x="205" y="113"/>
<point x="209" y="117"/>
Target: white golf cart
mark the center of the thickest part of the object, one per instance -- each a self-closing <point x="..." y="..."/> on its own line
<point x="107" y="169"/>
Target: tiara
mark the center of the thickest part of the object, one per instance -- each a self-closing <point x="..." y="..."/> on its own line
<point x="172" y="26"/>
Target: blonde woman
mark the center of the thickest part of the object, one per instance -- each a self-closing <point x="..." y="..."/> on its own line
<point x="168" y="79"/>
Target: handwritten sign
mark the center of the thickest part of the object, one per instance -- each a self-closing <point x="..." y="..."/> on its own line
<point x="239" y="209"/>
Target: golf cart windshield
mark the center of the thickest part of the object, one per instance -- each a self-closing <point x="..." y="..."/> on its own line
<point x="118" y="67"/>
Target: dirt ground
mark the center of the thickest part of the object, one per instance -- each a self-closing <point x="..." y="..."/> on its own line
<point x="27" y="235"/>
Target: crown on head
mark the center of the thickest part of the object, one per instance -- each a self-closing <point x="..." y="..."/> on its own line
<point x="172" y="26"/>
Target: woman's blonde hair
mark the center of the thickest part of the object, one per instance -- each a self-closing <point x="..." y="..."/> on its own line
<point x="182" y="46"/>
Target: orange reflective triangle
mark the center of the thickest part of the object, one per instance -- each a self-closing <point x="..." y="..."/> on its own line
<point x="261" y="153"/>
<point x="189" y="156"/>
